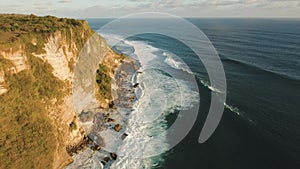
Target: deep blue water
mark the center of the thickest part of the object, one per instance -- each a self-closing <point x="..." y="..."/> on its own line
<point x="261" y="58"/>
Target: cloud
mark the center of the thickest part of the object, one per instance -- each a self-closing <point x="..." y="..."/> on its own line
<point x="14" y="6"/>
<point x="171" y="3"/>
<point x="225" y="2"/>
<point x="245" y="4"/>
<point x="65" y="1"/>
<point x="159" y="4"/>
<point x="187" y="8"/>
<point x="137" y="0"/>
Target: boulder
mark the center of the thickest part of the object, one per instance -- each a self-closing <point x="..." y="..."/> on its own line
<point x="136" y="85"/>
<point x="89" y="140"/>
<point x="93" y="148"/>
<point x="97" y="148"/>
<point x="106" y="159"/>
<point x="118" y="127"/>
<point x="111" y="104"/>
<point x="113" y="156"/>
<point x="110" y="120"/>
<point x="131" y="98"/>
<point x="102" y="162"/>
<point x="124" y="136"/>
<point x="106" y="115"/>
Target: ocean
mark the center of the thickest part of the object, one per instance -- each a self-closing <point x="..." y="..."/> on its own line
<point x="260" y="127"/>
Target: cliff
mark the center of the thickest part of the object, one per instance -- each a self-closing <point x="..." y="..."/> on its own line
<point x="37" y="116"/>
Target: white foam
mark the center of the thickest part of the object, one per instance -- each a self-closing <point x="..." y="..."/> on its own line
<point x="143" y="51"/>
<point x="159" y="95"/>
<point x="112" y="139"/>
<point x="233" y="109"/>
<point x="176" y="62"/>
<point x="86" y="159"/>
<point x="214" y="89"/>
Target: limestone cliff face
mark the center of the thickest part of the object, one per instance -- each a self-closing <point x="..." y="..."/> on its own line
<point x="18" y="58"/>
<point x="56" y="56"/>
<point x="3" y="88"/>
<point x="60" y="49"/>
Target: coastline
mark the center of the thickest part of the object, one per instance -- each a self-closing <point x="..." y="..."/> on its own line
<point x="105" y="127"/>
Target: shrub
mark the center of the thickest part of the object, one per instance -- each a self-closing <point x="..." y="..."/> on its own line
<point x="103" y="81"/>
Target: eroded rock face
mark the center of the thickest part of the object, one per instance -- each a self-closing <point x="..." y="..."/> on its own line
<point x="58" y="56"/>
<point x="3" y="88"/>
<point x="64" y="115"/>
<point x="17" y="57"/>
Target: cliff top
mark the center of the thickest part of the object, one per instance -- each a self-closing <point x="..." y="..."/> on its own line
<point x="12" y="26"/>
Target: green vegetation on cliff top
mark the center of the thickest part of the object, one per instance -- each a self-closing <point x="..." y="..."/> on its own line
<point x="12" y="26"/>
<point x="27" y="137"/>
<point x="16" y="29"/>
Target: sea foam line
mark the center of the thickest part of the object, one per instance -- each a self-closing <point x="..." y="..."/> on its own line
<point x="139" y="127"/>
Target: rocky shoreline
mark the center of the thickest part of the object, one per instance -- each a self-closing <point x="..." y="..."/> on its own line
<point x="95" y="149"/>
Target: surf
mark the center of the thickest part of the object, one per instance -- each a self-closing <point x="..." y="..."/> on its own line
<point x="159" y="94"/>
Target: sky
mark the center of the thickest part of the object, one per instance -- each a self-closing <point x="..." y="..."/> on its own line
<point x="183" y="8"/>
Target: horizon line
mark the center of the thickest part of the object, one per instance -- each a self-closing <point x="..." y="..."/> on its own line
<point x="186" y="17"/>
